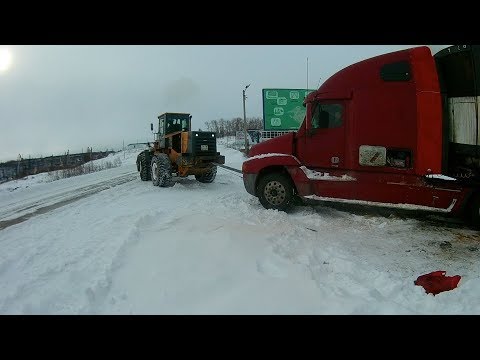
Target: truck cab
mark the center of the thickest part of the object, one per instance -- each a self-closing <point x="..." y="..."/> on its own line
<point x="375" y="132"/>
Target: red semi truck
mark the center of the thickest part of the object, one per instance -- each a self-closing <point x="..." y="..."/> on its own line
<point x="399" y="129"/>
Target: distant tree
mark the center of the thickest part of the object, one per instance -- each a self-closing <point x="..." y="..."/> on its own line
<point x="255" y="123"/>
<point x="221" y="127"/>
<point x="208" y="125"/>
<point x="229" y="127"/>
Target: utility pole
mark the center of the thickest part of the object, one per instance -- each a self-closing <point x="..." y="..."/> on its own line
<point x="245" y="120"/>
<point x="19" y="159"/>
<point x="307" y="73"/>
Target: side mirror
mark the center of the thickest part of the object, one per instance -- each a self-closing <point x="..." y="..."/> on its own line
<point x="151" y="126"/>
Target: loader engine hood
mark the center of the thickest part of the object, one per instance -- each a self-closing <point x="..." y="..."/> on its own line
<point x="282" y="144"/>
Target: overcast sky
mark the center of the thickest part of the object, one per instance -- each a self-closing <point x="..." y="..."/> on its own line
<point x="59" y="97"/>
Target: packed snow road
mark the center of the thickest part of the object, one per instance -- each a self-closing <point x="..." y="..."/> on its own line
<point x="14" y="213"/>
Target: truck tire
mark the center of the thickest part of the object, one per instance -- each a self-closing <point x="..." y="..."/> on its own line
<point x="161" y="169"/>
<point x="143" y="167"/>
<point x="208" y="176"/>
<point x="275" y="191"/>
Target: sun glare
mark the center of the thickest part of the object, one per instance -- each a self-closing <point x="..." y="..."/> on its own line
<point x="5" y="59"/>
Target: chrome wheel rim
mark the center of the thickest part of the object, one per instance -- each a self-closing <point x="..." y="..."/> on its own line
<point x="275" y="193"/>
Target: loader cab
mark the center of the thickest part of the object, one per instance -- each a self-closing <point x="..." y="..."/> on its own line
<point x="170" y="123"/>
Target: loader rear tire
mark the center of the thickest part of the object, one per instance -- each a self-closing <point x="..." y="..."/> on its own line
<point x="208" y="176"/>
<point x="144" y="167"/>
<point x="161" y="169"/>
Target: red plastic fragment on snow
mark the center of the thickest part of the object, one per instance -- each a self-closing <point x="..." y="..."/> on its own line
<point x="436" y="282"/>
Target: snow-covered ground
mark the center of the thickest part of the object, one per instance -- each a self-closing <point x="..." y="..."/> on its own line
<point x="119" y="245"/>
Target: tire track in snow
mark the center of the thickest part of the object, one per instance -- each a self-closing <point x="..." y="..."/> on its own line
<point x="62" y="199"/>
<point x="98" y="295"/>
<point x="39" y="291"/>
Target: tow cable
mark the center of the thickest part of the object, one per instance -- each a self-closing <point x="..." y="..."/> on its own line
<point x="230" y="168"/>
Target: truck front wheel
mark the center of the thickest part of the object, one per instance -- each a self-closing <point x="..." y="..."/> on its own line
<point x="275" y="191"/>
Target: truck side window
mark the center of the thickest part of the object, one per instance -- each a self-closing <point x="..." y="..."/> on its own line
<point x="327" y="116"/>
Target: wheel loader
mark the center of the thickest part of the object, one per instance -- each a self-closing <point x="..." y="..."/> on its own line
<point x="177" y="150"/>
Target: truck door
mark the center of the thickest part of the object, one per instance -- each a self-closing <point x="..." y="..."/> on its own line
<point x="325" y="140"/>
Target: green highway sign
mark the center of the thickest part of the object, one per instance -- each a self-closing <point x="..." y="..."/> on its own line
<point x="283" y="108"/>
